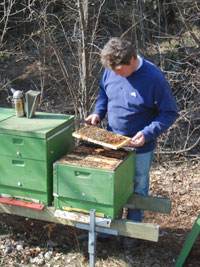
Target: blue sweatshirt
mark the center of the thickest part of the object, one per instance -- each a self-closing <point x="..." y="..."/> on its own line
<point x="141" y="102"/>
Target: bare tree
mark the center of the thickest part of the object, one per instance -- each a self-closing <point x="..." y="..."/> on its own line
<point x="53" y="46"/>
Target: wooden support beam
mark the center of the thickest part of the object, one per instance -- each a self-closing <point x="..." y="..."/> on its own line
<point x="144" y="231"/>
<point x="188" y="243"/>
<point x="156" y="204"/>
<point x="47" y="214"/>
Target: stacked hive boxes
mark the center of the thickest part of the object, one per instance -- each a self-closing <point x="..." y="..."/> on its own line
<point x="37" y="162"/>
<point x="27" y="152"/>
<point x="94" y="178"/>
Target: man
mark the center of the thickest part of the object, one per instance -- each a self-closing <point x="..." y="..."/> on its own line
<point x="139" y="103"/>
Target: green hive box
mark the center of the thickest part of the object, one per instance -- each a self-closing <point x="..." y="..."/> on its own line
<point x="96" y="179"/>
<point x="6" y="113"/>
<point x="27" y="152"/>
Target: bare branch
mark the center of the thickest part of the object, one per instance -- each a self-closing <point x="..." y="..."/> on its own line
<point x="187" y="25"/>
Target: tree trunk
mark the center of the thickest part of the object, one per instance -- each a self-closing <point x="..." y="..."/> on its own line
<point x="84" y="58"/>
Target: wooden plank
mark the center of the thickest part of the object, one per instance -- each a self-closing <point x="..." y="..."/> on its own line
<point x="144" y="231"/>
<point x="82" y="218"/>
<point x="189" y="243"/>
<point x="99" y="214"/>
<point x="156" y="204"/>
<point x="47" y="214"/>
<point x="21" y="203"/>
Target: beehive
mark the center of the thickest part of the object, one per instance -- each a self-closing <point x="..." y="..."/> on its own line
<point x="6" y="113"/>
<point x="94" y="178"/>
<point x="27" y="152"/>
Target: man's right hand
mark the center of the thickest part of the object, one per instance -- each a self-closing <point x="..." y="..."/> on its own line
<point x="93" y="119"/>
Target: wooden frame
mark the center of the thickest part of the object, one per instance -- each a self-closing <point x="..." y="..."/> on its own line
<point x="146" y="231"/>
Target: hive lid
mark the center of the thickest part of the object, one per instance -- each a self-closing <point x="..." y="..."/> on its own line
<point x="6" y="113"/>
<point x="43" y="125"/>
<point x="101" y="137"/>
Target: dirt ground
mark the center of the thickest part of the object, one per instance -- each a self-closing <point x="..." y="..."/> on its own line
<point x="27" y="242"/>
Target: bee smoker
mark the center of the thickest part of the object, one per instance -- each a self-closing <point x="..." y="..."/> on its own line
<point x="18" y="101"/>
<point x="25" y="104"/>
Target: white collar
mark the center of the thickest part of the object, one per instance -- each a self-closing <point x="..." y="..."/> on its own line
<point x="140" y="62"/>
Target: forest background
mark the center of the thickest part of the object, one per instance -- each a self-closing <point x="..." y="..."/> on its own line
<point x="53" y="46"/>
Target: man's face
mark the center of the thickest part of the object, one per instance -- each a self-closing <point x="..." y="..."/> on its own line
<point x="125" y="70"/>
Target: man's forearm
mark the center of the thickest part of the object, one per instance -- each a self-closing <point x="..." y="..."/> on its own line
<point x="159" y="125"/>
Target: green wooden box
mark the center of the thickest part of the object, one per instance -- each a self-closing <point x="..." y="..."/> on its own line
<point x="27" y="152"/>
<point x="6" y="113"/>
<point x="101" y="180"/>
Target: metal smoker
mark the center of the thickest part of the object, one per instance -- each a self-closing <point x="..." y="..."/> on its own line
<point x="25" y="104"/>
<point x="18" y="100"/>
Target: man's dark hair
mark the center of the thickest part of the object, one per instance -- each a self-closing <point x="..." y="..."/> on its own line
<point x="117" y="52"/>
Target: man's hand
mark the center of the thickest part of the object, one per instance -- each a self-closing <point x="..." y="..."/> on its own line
<point x="93" y="119"/>
<point x="137" y="140"/>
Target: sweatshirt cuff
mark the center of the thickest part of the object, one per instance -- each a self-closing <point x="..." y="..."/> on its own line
<point x="100" y="113"/>
<point x="146" y="136"/>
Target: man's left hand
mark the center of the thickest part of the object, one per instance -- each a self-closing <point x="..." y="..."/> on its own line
<point x="137" y="140"/>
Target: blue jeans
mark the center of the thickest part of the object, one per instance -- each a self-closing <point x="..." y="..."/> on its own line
<point x="141" y="184"/>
